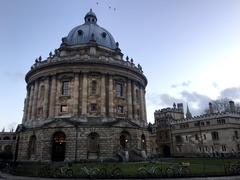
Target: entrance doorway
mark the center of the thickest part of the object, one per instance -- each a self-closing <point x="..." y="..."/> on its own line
<point x="124" y="140"/>
<point x="58" y="146"/>
<point x="166" y="151"/>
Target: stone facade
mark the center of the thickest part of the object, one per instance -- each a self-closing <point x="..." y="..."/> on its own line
<point x="7" y="142"/>
<point x="85" y="101"/>
<point x="209" y="135"/>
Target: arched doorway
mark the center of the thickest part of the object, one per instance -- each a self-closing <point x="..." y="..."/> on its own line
<point x="32" y="146"/>
<point x="93" y="146"/>
<point x="124" y="140"/>
<point x="143" y="142"/>
<point x="58" y="146"/>
<point x="166" y="151"/>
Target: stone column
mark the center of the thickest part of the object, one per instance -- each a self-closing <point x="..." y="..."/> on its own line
<point x="144" y="106"/>
<point x="30" y="103"/>
<point x="26" y="104"/>
<point x="142" y="110"/>
<point x="46" y="98"/>
<point x="52" y="97"/>
<point x="84" y="95"/>
<point x="134" y="101"/>
<point x="103" y="96"/>
<point x="76" y="95"/>
<point x="110" y="96"/>
<point x="129" y="100"/>
<point x="35" y="99"/>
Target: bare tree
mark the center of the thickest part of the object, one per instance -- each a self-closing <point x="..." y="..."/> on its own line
<point x="222" y="105"/>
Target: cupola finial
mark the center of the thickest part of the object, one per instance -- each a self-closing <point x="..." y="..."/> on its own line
<point x="90" y="17"/>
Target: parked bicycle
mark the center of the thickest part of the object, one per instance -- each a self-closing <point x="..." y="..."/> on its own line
<point x="180" y="169"/>
<point x="112" y="172"/>
<point x="151" y="171"/>
<point x="64" y="171"/>
<point x="45" y="171"/>
<point x="233" y="168"/>
<point x="90" y="172"/>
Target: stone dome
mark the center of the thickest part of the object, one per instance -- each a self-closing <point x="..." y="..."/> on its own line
<point x="90" y="32"/>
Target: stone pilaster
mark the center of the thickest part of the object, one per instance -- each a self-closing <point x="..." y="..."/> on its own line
<point x="30" y="102"/>
<point x="46" y="98"/>
<point x="76" y="95"/>
<point x="103" y="96"/>
<point x="52" y="97"/>
<point x="35" y="99"/>
<point x="129" y="100"/>
<point x="134" y="101"/>
<point x="84" y="94"/>
<point x="110" y="96"/>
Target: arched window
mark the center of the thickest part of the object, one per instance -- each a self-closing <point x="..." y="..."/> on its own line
<point x="93" y="143"/>
<point x="32" y="146"/>
<point x="6" y="138"/>
<point x="8" y="148"/>
<point x="137" y="96"/>
<point x="143" y="142"/>
<point x="94" y="88"/>
<point x="119" y="89"/>
<point x="42" y="91"/>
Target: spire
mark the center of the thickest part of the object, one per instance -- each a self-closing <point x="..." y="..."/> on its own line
<point x="188" y="114"/>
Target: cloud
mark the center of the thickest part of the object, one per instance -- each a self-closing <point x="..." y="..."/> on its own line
<point x="231" y="93"/>
<point x="183" y="84"/>
<point x="197" y="102"/>
<point x="214" y="84"/>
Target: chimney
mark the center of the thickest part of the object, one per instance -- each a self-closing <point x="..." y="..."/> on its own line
<point x="210" y="108"/>
<point x="180" y="106"/>
<point x="232" y="106"/>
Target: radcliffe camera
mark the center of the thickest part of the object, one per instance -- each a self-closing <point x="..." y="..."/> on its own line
<point x="120" y="90"/>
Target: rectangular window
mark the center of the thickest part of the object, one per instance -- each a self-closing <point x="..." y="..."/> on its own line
<point x="204" y="136"/>
<point x="186" y="138"/>
<point x="64" y="108"/>
<point x="196" y="137"/>
<point x="120" y="109"/>
<point x="119" y="89"/>
<point x="65" y="88"/>
<point x="224" y="148"/>
<point x="202" y="123"/>
<point x="94" y="88"/>
<point x="215" y="136"/>
<point x="208" y="123"/>
<point x="178" y="139"/>
<point x="238" y="147"/>
<point x="236" y="134"/>
<point x="93" y="107"/>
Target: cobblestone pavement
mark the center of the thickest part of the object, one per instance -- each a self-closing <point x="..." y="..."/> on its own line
<point x="11" y="177"/>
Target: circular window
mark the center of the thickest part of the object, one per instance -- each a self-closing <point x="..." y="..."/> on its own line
<point x="104" y="35"/>
<point x="80" y="32"/>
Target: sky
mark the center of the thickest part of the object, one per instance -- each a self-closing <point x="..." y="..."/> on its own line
<point x="189" y="49"/>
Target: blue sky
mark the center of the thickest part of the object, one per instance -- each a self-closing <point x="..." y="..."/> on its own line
<point x="189" y="49"/>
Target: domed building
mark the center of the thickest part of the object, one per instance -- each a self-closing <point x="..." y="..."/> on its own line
<point x="84" y="102"/>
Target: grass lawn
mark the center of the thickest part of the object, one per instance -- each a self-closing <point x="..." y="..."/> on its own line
<point x="197" y="167"/>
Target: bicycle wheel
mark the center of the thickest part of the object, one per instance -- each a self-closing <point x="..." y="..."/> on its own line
<point x="116" y="173"/>
<point x="142" y="172"/>
<point x="94" y="172"/>
<point x="185" y="172"/>
<point x="157" y="172"/>
<point x="57" y="173"/>
<point x="170" y="172"/>
<point x="69" y="173"/>
<point x="103" y="173"/>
